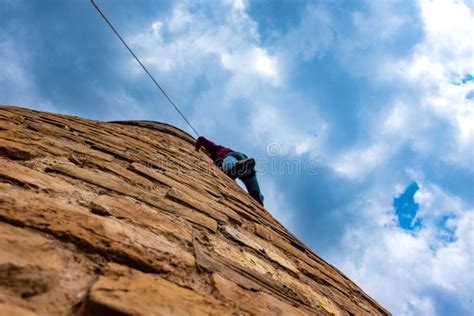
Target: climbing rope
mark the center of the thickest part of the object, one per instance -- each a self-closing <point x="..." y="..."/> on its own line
<point x="143" y="66"/>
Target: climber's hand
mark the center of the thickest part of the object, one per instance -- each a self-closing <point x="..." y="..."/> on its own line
<point x="198" y="143"/>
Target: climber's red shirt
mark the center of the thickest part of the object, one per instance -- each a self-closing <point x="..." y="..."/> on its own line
<point x="216" y="151"/>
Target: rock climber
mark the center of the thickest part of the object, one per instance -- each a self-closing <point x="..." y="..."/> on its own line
<point x="235" y="164"/>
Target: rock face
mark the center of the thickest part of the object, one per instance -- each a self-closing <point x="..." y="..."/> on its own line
<point x="126" y="218"/>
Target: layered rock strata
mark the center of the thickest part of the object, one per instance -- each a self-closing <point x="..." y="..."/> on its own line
<point x="127" y="218"/>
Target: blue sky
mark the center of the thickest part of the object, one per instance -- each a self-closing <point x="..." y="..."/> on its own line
<point x="376" y="96"/>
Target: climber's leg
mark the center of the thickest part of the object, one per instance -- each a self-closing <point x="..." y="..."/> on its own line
<point x="228" y="162"/>
<point x="236" y="164"/>
<point x="252" y="186"/>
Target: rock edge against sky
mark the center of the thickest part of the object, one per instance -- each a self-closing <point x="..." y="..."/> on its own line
<point x="126" y="218"/>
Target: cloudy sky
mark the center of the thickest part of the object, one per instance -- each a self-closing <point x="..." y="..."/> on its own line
<point x="361" y="115"/>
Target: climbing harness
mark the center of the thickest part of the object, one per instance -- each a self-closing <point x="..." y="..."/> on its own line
<point x="143" y="66"/>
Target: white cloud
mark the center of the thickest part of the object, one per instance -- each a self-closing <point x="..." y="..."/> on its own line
<point x="359" y="162"/>
<point x="397" y="126"/>
<point x="411" y="272"/>
<point x="238" y="4"/>
<point x="434" y="202"/>
<point x="401" y="269"/>
<point x="254" y="62"/>
<point x="311" y="38"/>
<point x="189" y="38"/>
<point x="290" y="138"/>
<point x="436" y="68"/>
<point x="226" y="52"/>
<point x="180" y="19"/>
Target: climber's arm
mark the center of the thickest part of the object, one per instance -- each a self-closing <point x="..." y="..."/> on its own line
<point x="204" y="142"/>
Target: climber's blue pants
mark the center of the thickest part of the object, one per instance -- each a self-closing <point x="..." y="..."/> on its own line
<point x="249" y="179"/>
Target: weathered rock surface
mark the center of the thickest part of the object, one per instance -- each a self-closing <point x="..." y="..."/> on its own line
<point x="126" y="218"/>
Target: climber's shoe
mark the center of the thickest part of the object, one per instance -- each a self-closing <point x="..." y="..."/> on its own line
<point x="257" y="196"/>
<point x="241" y="168"/>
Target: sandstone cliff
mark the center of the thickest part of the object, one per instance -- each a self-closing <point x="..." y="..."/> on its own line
<point x="126" y="218"/>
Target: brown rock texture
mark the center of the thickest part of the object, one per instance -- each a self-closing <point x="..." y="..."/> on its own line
<point x="126" y="218"/>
